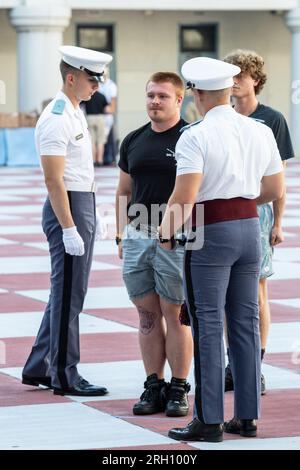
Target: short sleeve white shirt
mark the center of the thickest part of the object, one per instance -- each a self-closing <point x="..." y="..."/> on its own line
<point x="232" y="151"/>
<point x="66" y="135"/>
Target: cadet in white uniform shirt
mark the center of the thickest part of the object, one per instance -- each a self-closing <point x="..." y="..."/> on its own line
<point x="228" y="162"/>
<point x="70" y="223"/>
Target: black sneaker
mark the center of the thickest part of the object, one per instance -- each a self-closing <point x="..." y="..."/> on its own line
<point x="177" y="399"/>
<point x="153" y="399"/>
<point x="228" y="379"/>
<point x="263" y="385"/>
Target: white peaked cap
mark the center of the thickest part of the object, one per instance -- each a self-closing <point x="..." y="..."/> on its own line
<point x="93" y="62"/>
<point x="205" y="73"/>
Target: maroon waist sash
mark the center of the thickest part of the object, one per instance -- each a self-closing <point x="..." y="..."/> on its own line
<point x="221" y="210"/>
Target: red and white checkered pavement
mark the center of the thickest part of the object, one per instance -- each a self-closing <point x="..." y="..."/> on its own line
<point x="33" y="418"/>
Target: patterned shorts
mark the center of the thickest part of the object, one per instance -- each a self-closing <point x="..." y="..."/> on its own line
<point x="266" y="223"/>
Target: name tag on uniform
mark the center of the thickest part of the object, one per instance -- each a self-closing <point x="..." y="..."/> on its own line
<point x="79" y="136"/>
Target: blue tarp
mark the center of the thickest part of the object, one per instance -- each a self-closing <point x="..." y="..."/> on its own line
<point x="2" y="147"/>
<point x="21" y="147"/>
<point x="17" y="147"/>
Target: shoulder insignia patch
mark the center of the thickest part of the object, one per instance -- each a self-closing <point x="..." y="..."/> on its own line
<point x="190" y="125"/>
<point x="58" y="107"/>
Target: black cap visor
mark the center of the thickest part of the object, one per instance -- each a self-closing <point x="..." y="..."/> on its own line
<point x="98" y="77"/>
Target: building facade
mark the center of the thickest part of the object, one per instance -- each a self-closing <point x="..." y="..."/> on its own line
<point x="145" y="36"/>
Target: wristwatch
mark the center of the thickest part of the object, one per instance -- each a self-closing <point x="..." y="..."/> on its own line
<point x="160" y="238"/>
<point x="167" y="240"/>
<point x="163" y="240"/>
<point x="118" y="240"/>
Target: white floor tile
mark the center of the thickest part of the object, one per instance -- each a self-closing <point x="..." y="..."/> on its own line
<point x="106" y="199"/>
<point x="290" y="181"/>
<point x="97" y="297"/>
<point x="7" y="217"/>
<point x="281" y="443"/>
<point x="292" y="212"/>
<point x="293" y="196"/>
<point x="25" y="209"/>
<point x="8" y="198"/>
<point x="289" y="234"/>
<point x="20" y="229"/>
<point x="9" y="183"/>
<point x="4" y="241"/>
<point x="292" y="202"/>
<point x="290" y="222"/>
<point x="40" y="264"/>
<point x="285" y="270"/>
<point x="30" y="191"/>
<point x="103" y="247"/>
<point x="107" y="183"/>
<point x="284" y="336"/>
<point x="287" y="254"/>
<point x="278" y="378"/>
<point x="295" y="303"/>
<point x="69" y="426"/>
<point x="18" y="325"/>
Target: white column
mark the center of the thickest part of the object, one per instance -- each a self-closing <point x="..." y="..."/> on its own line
<point x="40" y="33"/>
<point x="292" y="20"/>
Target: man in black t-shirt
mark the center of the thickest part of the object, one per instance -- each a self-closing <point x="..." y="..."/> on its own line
<point x="153" y="277"/>
<point x="247" y="85"/>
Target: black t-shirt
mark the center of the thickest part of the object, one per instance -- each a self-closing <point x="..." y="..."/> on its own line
<point x="96" y="104"/>
<point x="149" y="158"/>
<point x="276" y="121"/>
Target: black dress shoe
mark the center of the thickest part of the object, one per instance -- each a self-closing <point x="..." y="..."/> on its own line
<point x="244" y="427"/>
<point x="198" y="431"/>
<point x="36" y="381"/>
<point x="82" y="389"/>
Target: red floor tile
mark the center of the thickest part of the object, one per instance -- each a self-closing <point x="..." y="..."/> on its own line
<point x="288" y="361"/>
<point x="17" y="303"/>
<point x="97" y="347"/>
<point x="14" y="393"/>
<point x="126" y="316"/>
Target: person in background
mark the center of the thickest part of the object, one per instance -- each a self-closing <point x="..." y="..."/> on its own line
<point x="95" y="109"/>
<point x="110" y="91"/>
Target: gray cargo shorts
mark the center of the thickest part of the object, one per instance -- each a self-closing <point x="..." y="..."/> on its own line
<point x="149" y="268"/>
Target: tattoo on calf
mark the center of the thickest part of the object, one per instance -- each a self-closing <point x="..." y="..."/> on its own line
<point x="147" y="320"/>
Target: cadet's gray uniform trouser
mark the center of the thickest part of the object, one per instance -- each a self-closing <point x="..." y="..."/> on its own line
<point x="224" y="276"/>
<point x="56" y="349"/>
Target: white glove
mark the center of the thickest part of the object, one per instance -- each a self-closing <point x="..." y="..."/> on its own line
<point x="74" y="245"/>
<point x="101" y="228"/>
